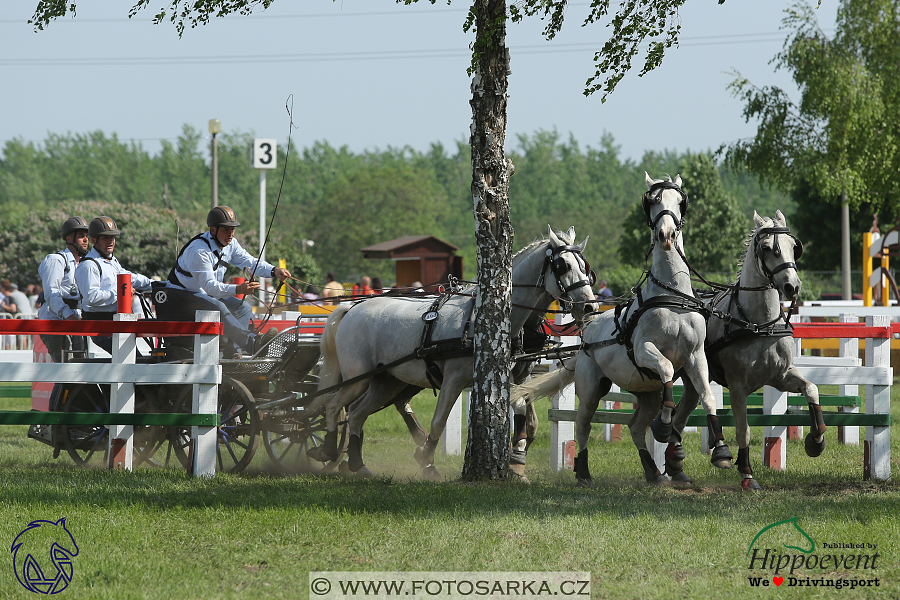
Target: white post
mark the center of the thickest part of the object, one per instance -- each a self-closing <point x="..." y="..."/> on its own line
<point x="452" y="438"/>
<point x="774" y="437"/>
<point x="878" y="401"/>
<point x="121" y="399"/>
<point x="849" y="347"/>
<point x="562" y="432"/>
<point x="609" y="405"/>
<point x="262" y="231"/>
<point x="205" y="399"/>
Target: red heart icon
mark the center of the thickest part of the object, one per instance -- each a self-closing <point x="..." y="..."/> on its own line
<point x="777" y="580"/>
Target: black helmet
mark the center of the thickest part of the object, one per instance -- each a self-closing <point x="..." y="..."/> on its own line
<point x="103" y="226"/>
<point x="73" y="224"/>
<point x="222" y="215"/>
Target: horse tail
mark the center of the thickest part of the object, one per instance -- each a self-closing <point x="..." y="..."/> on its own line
<point x="330" y="372"/>
<point x="546" y="385"/>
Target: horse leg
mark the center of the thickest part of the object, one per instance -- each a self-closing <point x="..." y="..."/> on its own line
<point x="675" y="450"/>
<point x="647" y="407"/>
<point x="647" y="355"/>
<point x="590" y="386"/>
<point x="380" y="394"/>
<point x="329" y="451"/>
<point x="742" y="437"/>
<point x="456" y="377"/>
<point x="401" y="402"/>
<point x="792" y="381"/>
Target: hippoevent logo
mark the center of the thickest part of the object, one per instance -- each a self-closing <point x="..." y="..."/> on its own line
<point x="42" y="556"/>
<point x="789" y="556"/>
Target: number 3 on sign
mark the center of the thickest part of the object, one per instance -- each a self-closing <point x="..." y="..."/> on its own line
<point x="265" y="153"/>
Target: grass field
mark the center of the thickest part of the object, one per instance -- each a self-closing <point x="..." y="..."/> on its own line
<point x="157" y="533"/>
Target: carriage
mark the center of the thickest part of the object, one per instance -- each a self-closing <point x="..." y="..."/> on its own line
<point x="261" y="398"/>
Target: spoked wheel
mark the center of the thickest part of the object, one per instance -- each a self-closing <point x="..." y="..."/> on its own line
<point x="288" y="434"/>
<point x="238" y="430"/>
<point x="86" y="444"/>
<point x="150" y="439"/>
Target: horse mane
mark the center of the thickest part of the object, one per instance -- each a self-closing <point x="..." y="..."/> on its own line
<point x="562" y="235"/>
<point x="747" y="244"/>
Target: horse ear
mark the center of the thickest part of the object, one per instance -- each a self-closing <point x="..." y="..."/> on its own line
<point x="678" y="180"/>
<point x="584" y="243"/>
<point x="648" y="180"/>
<point x="779" y="217"/>
<point x="571" y="233"/>
<point x="758" y="219"/>
<point x="553" y="238"/>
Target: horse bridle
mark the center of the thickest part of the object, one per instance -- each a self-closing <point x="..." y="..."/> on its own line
<point x="776" y="249"/>
<point x="647" y="201"/>
<point x="558" y="266"/>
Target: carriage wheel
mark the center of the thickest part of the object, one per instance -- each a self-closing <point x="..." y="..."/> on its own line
<point x="238" y="430"/>
<point x="88" y="445"/>
<point x="288" y="434"/>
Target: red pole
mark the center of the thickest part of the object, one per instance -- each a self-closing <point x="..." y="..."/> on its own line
<point x="123" y="282"/>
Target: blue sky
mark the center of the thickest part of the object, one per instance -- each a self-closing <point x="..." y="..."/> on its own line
<point x="370" y="74"/>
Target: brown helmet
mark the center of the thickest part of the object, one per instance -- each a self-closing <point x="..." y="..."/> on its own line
<point x="103" y="226"/>
<point x="222" y="216"/>
<point x="73" y="224"/>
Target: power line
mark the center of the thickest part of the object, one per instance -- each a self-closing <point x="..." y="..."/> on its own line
<point x="548" y="48"/>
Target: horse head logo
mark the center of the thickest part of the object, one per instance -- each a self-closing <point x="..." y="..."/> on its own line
<point x="42" y="556"/>
<point x="787" y="533"/>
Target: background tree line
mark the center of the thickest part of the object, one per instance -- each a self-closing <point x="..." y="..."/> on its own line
<point x="345" y="201"/>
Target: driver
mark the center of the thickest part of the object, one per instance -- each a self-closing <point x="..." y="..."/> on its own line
<point x="196" y="280"/>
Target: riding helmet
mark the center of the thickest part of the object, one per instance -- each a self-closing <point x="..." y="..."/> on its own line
<point x="103" y="226"/>
<point x="222" y="216"/>
<point x="73" y="224"/>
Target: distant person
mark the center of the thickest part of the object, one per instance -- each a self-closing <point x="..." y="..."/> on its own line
<point x="97" y="277"/>
<point x="61" y="299"/>
<point x="332" y="288"/>
<point x="377" y="286"/>
<point x="312" y="295"/>
<point x="364" y="287"/>
<point x="416" y="286"/>
<point x="604" y="294"/>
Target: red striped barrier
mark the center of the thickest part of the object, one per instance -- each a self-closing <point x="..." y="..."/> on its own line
<point x="94" y="328"/>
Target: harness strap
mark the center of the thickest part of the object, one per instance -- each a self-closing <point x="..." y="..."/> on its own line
<point x="174" y="278"/>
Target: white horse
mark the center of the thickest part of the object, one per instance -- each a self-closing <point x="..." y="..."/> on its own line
<point x="754" y="348"/>
<point x="388" y="337"/>
<point x="642" y="345"/>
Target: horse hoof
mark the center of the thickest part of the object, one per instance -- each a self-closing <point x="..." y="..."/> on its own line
<point x="750" y="485"/>
<point x="344" y="467"/>
<point x="661" y="479"/>
<point x="421" y="458"/>
<point x="680" y="477"/>
<point x="814" y="448"/>
<point x="585" y="482"/>
<point x="517" y="457"/>
<point x="517" y="473"/>
<point x="721" y="457"/>
<point x="661" y="431"/>
<point x="431" y="474"/>
<point x="363" y="473"/>
<point x="320" y="454"/>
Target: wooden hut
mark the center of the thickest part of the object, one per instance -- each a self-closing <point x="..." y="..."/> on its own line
<point x="422" y="258"/>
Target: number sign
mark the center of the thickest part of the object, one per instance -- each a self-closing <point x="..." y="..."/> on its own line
<point x="265" y="153"/>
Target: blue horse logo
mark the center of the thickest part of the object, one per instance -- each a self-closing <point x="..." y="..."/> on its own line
<point x="47" y="576"/>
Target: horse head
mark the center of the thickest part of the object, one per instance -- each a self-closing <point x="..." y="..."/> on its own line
<point x="570" y="278"/>
<point x="775" y="250"/>
<point x="28" y="549"/>
<point x="665" y="205"/>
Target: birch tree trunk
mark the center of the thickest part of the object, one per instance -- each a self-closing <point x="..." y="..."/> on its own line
<point x="487" y="449"/>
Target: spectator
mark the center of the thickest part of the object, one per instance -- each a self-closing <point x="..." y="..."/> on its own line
<point x="311" y="294"/>
<point x="416" y="286"/>
<point x="364" y="287"/>
<point x="38" y="298"/>
<point x="18" y="299"/>
<point x="377" y="286"/>
<point x="332" y="288"/>
<point x="603" y="293"/>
